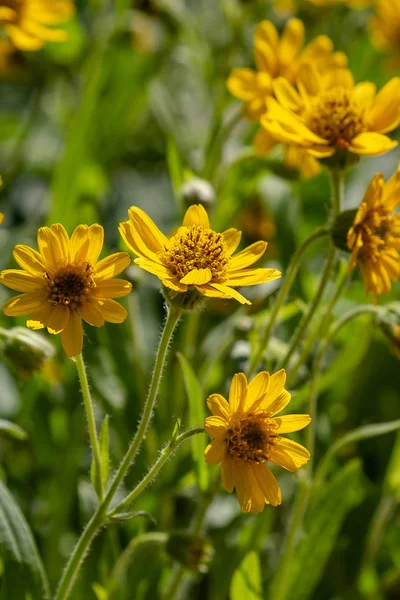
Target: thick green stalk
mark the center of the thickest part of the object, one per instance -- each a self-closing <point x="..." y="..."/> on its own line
<point x="99" y="518"/>
<point x="94" y="442"/>
<point x="283" y="293"/>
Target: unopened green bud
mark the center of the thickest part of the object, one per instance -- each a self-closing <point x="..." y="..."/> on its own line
<point x="192" y="551"/>
<point x="26" y="350"/>
<point x="190" y="300"/>
<point x="340" y="228"/>
<point x="198" y="191"/>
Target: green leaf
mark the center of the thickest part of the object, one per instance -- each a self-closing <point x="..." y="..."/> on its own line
<point x="196" y="419"/>
<point x="246" y="580"/>
<point x="130" y="515"/>
<point x="13" y="430"/>
<point x="100" y="592"/>
<point x="105" y="459"/>
<point x="325" y="516"/>
<point x="23" y="567"/>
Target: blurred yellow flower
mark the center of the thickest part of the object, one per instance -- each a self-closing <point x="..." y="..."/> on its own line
<point x="247" y="435"/>
<point x="385" y="27"/>
<point x="1" y="218"/>
<point x="330" y="113"/>
<point x="350" y="3"/>
<point x="196" y="258"/>
<point x="374" y="238"/>
<point x="63" y="283"/>
<point x="27" y="22"/>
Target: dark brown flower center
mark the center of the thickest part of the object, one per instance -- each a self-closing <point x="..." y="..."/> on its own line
<point x="251" y="437"/>
<point x="71" y="285"/>
<point x="196" y="248"/>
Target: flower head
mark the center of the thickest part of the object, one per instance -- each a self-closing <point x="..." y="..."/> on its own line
<point x="26" y="22"/>
<point x="247" y="435"/>
<point x="329" y="114"/>
<point x="374" y="238"/>
<point x="195" y="259"/>
<point x="63" y="283"/>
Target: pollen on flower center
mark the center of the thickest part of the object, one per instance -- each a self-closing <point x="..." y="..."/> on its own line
<point x="251" y="438"/>
<point x="335" y="117"/>
<point x="194" y="247"/>
<point x="71" y="285"/>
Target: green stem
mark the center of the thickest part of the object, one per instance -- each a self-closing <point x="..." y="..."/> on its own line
<point x="337" y="186"/>
<point x="164" y="457"/>
<point x="305" y="321"/>
<point x="99" y="518"/>
<point x="283" y="293"/>
<point x="80" y="365"/>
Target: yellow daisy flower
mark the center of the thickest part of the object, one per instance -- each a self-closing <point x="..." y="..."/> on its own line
<point x="26" y="22"/>
<point x="195" y="259"/>
<point x="374" y="238"/>
<point x="331" y="114"/>
<point x="385" y="28"/>
<point x="63" y="283"/>
<point x="247" y="435"/>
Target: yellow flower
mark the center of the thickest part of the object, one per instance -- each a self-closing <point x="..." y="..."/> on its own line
<point x="26" y="22"/>
<point x="63" y="283"/>
<point x="1" y="218"/>
<point x="331" y="114"/>
<point x="196" y="258"/>
<point x="385" y="26"/>
<point x="247" y="435"/>
<point x="374" y="238"/>
<point x="350" y="3"/>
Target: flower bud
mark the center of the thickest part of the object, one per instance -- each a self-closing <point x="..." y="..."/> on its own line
<point x="198" y="191"/>
<point x="26" y="350"/>
<point x="192" y="551"/>
<point x="340" y="228"/>
<point x="190" y="300"/>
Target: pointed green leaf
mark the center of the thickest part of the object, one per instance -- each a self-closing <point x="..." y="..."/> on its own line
<point x="196" y="419"/>
<point x="23" y="567"/>
<point x="246" y="580"/>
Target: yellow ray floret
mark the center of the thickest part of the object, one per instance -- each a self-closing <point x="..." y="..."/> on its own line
<point x="64" y="283"/>
<point x="247" y="435"/>
<point x="327" y="114"/>
<point x="29" y="23"/>
<point x="196" y="257"/>
<point x="374" y="238"/>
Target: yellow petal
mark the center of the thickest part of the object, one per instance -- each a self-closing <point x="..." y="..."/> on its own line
<point x="148" y="231"/>
<point x="384" y="112"/>
<point x="242" y="83"/>
<point x="371" y="144"/>
<point x="29" y="259"/>
<point x="291" y="41"/>
<point x="62" y="239"/>
<point x="287" y="95"/>
<point x="112" y="288"/>
<point x="263" y="142"/>
<point x="79" y="244"/>
<point x="232" y="239"/>
<point x="249" y="494"/>
<point x="216" y="427"/>
<point x="267" y="483"/>
<point x="266" y="31"/>
<point x="58" y="319"/>
<point x="91" y="313"/>
<point x="112" y="311"/>
<point x="50" y="248"/>
<point x="39" y="319"/>
<point x="237" y="392"/>
<point x="364" y="93"/>
<point x="175" y="285"/>
<point x="154" y="268"/>
<point x="22" y="40"/>
<point x="218" y="406"/>
<point x="96" y="240"/>
<point x="289" y="454"/>
<point x="252" y="276"/>
<point x="21" y="281"/>
<point x="112" y="265"/>
<point x="248" y="256"/>
<point x="265" y="57"/>
<point x="197" y="277"/>
<point x="133" y="240"/>
<point x="277" y="397"/>
<point x="290" y="423"/>
<point x="24" y="304"/>
<point x="196" y="215"/>
<point x="257" y="388"/>
<point x="210" y="292"/>
<point x="72" y="335"/>
<point x="227" y="474"/>
<point x="228" y="291"/>
<point x="215" y="452"/>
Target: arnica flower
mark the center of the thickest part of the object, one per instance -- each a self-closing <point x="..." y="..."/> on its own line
<point x="63" y="283"/>
<point x="195" y="259"/>
<point x="374" y="238"/>
<point x="330" y="114"/>
<point x="247" y="435"/>
<point x="28" y="23"/>
<point x="385" y="28"/>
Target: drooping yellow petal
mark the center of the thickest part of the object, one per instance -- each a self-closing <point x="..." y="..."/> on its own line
<point x="227" y="474"/>
<point x="72" y="335"/>
<point x="39" y="319"/>
<point x="289" y="454"/>
<point x="92" y="313"/>
<point x="112" y="311"/>
<point x="58" y="319"/>
<point x="230" y="292"/>
<point x="267" y="483"/>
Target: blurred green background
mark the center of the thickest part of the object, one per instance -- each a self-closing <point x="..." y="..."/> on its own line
<point x="127" y="110"/>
